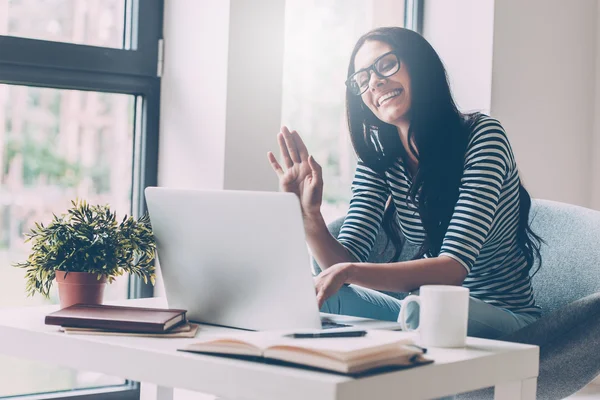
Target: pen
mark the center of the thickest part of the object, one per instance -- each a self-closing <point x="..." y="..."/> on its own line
<point x="326" y="335"/>
<point x="423" y="349"/>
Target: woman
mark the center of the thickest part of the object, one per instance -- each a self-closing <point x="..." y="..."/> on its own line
<point x="448" y="181"/>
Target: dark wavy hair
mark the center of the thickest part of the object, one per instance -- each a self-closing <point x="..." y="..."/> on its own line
<point x="438" y="136"/>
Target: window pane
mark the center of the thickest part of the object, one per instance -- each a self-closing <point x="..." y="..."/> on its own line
<point x="90" y="22"/>
<point x="319" y="37"/>
<point x="57" y="145"/>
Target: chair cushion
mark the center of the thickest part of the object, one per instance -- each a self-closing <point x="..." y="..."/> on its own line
<point x="571" y="255"/>
<point x="569" y="341"/>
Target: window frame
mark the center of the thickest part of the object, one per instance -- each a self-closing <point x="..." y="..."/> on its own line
<point x="139" y="58"/>
<point x="133" y="70"/>
<point x="128" y="391"/>
<point x="414" y="15"/>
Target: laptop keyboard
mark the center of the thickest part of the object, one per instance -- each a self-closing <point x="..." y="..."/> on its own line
<point x="328" y="324"/>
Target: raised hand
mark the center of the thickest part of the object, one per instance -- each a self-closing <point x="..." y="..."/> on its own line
<point x="302" y="174"/>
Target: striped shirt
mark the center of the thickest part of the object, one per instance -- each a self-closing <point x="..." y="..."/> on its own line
<point x="482" y="234"/>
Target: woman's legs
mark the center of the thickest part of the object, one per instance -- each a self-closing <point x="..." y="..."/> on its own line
<point x="488" y="321"/>
<point x="485" y="320"/>
<point x="362" y="302"/>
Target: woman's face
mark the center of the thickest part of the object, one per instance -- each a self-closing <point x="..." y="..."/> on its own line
<point x="388" y="98"/>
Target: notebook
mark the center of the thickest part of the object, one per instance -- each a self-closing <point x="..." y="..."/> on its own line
<point x="117" y="318"/>
<point x="348" y="355"/>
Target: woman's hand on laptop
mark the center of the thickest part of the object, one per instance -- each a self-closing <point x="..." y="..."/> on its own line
<point x="302" y="174"/>
<point x="328" y="282"/>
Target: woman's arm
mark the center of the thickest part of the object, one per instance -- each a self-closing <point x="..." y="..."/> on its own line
<point x="326" y="249"/>
<point x="303" y="176"/>
<point x="394" y="277"/>
<point x="361" y="225"/>
<point x="487" y="163"/>
<point x="407" y="275"/>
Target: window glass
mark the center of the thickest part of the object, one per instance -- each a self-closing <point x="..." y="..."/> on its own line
<point x="57" y="145"/>
<point x="90" y="22"/>
<point x="319" y="38"/>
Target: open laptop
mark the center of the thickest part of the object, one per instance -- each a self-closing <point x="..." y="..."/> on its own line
<point x="239" y="259"/>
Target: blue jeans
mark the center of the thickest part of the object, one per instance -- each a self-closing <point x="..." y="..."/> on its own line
<point x="485" y="320"/>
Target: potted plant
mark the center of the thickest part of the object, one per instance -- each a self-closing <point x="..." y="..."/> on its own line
<point x="86" y="248"/>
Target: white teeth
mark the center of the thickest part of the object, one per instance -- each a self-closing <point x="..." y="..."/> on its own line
<point x="388" y="95"/>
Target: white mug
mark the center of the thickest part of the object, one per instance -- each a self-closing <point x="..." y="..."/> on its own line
<point x="443" y="315"/>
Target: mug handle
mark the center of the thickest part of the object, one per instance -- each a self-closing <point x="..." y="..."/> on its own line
<point x="402" y="316"/>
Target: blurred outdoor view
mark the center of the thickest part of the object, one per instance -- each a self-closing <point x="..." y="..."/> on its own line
<point x="90" y="22"/>
<point x="319" y="38"/>
<point x="56" y="146"/>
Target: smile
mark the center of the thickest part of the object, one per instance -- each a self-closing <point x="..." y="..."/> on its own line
<point x="388" y="96"/>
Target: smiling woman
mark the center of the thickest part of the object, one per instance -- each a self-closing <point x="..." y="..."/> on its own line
<point x="446" y="181"/>
<point x="389" y="102"/>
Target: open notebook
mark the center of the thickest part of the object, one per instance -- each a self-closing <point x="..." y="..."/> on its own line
<point x="350" y="355"/>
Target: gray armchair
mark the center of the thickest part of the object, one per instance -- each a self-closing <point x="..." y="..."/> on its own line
<point x="567" y="287"/>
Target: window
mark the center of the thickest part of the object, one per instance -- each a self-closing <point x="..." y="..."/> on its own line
<point x="91" y="22"/>
<point x="319" y="38"/>
<point x="79" y="104"/>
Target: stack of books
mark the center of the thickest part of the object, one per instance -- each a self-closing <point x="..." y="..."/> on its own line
<point x="352" y="353"/>
<point x="94" y="319"/>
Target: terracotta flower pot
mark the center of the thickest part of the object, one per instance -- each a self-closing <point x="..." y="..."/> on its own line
<point x="79" y="288"/>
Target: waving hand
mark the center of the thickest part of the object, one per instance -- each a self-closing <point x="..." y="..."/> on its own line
<point x="302" y="174"/>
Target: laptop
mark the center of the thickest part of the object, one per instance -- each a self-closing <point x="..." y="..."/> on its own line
<point x="239" y="259"/>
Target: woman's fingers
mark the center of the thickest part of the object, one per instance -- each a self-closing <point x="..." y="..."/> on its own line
<point x="274" y="164"/>
<point x="320" y="300"/>
<point x="302" y="150"/>
<point x="291" y="145"/>
<point x="319" y="294"/>
<point x="317" y="171"/>
<point x="287" y="160"/>
<point x="320" y="286"/>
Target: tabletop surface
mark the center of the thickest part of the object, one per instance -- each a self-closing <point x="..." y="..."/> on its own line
<point x="481" y="363"/>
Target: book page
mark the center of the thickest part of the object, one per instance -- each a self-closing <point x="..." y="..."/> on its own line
<point x="243" y="343"/>
<point x="346" y="349"/>
<point x="341" y="349"/>
<point x="409" y="356"/>
<point x="342" y="354"/>
<point x="184" y="331"/>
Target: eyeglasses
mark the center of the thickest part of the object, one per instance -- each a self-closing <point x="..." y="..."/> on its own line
<point x="385" y="65"/>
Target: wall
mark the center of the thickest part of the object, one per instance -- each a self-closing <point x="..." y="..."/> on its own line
<point x="595" y="201"/>
<point x="221" y="93"/>
<point x="461" y="31"/>
<point x="533" y="65"/>
<point x="194" y="96"/>
<point x="543" y="91"/>
<point x="255" y="79"/>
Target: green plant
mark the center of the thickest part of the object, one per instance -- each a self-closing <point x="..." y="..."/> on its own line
<point x="89" y="239"/>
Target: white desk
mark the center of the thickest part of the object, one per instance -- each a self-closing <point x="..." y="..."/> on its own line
<point x="511" y="368"/>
